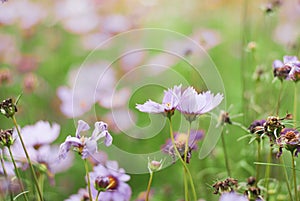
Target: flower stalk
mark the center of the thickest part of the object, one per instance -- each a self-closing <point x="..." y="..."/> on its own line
<point x="294" y="176"/>
<point x="5" y="175"/>
<point x="17" y="173"/>
<point x="225" y="155"/>
<point x="149" y="186"/>
<point x="28" y="159"/>
<point x="88" y="179"/>
<point x="182" y="162"/>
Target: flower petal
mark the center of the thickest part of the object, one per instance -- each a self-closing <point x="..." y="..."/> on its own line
<point x="82" y="126"/>
<point x="151" y="107"/>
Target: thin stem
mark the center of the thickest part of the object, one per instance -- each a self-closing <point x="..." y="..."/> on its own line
<point x="186" y="149"/>
<point x="149" y="186"/>
<point x="185" y="181"/>
<point x="294" y="177"/>
<point x="97" y="197"/>
<point x="41" y="182"/>
<point x="88" y="179"/>
<point x="243" y="67"/>
<point x="258" y="159"/>
<point x="182" y="162"/>
<point x="6" y="177"/>
<point x="279" y="97"/>
<point x="225" y="155"/>
<point x="267" y="174"/>
<point x="286" y="178"/>
<point x="17" y="173"/>
<point x="295" y="105"/>
<point x="28" y="159"/>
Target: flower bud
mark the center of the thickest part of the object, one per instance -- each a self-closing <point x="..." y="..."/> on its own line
<point x="106" y="183"/>
<point x="154" y="166"/>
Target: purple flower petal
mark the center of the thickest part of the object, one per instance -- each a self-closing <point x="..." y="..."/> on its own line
<point x="290" y="59"/>
<point x="277" y="64"/>
<point x="82" y="126"/>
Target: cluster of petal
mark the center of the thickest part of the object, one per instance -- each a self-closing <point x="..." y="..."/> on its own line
<point x="193" y="104"/>
<point x="169" y="103"/>
<point x="288" y="69"/>
<point x="86" y="146"/>
<point x="189" y="102"/>
<point x="121" y="191"/>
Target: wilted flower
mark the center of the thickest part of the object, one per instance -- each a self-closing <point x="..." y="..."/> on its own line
<point x="170" y="102"/>
<point x="180" y="141"/>
<point x="289" y="69"/>
<point x="290" y="140"/>
<point x="273" y="127"/>
<point x="6" y="137"/>
<point x="257" y="126"/>
<point x="192" y="104"/>
<point x="228" y="185"/>
<point x="86" y="146"/>
<point x="113" y="180"/>
<point x="8" y="108"/>
<point x="224" y="118"/>
<point x="232" y="196"/>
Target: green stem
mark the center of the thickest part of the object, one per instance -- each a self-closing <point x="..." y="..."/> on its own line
<point x="41" y="182"/>
<point x="186" y="149"/>
<point x="294" y="177"/>
<point x="149" y="185"/>
<point x="28" y="159"/>
<point x="225" y="155"/>
<point x="182" y="162"/>
<point x="258" y="159"/>
<point x="286" y="178"/>
<point x="279" y="97"/>
<point x="185" y="181"/>
<point x="295" y="105"/>
<point x="267" y="174"/>
<point x="17" y="173"/>
<point x="5" y="175"/>
<point x="97" y="197"/>
<point x="88" y="179"/>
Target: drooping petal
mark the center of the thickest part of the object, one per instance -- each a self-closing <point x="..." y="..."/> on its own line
<point x="100" y="127"/>
<point x="108" y="139"/>
<point x="82" y="126"/>
<point x="90" y="147"/>
<point x="65" y="147"/>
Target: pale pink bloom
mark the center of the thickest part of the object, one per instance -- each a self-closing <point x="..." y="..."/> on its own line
<point x="24" y="13"/>
<point x="77" y="16"/>
<point x="114" y="24"/>
<point x="87" y="85"/>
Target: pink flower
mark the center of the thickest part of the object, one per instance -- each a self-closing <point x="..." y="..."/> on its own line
<point x="192" y="104"/>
